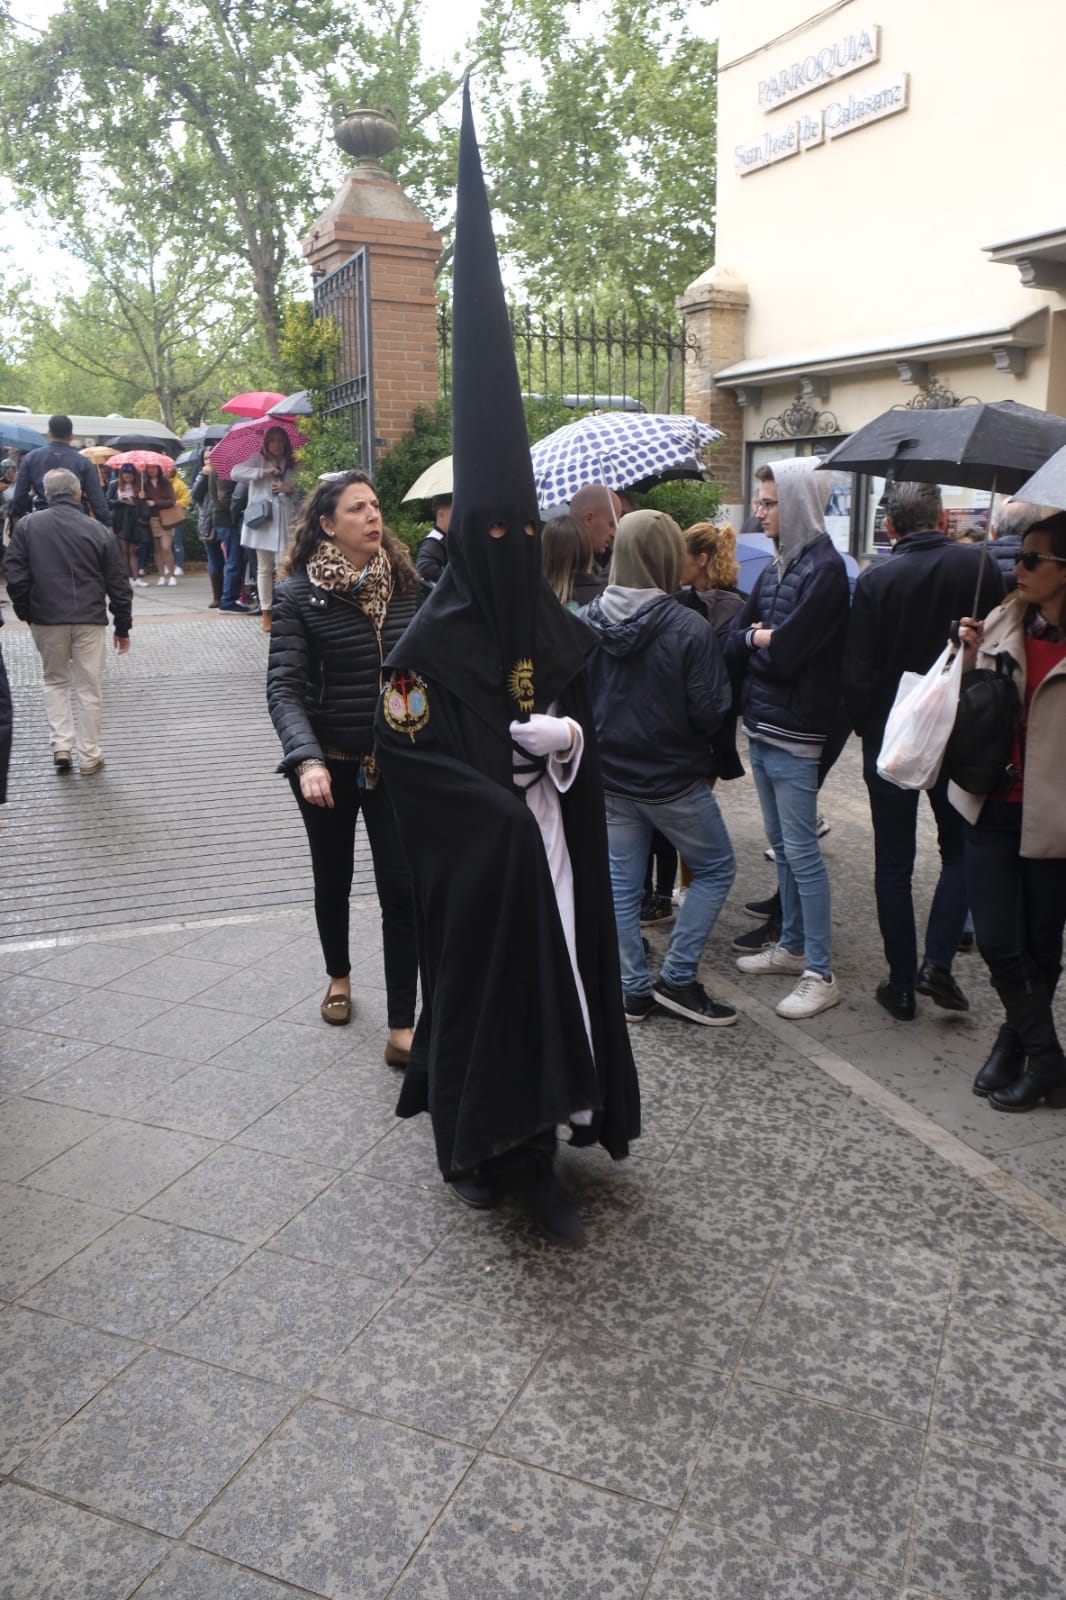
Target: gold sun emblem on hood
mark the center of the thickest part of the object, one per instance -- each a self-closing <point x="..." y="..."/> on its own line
<point x="520" y="683"/>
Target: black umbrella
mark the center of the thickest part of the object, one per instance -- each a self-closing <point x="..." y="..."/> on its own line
<point x="143" y="441"/>
<point x="293" y="405"/>
<point x="995" y="445"/>
<point x="208" y="433"/>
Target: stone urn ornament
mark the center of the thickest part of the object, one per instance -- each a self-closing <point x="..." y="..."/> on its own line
<point x="367" y="135"/>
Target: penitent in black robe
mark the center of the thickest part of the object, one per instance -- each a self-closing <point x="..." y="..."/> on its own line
<point x="501" y="1055"/>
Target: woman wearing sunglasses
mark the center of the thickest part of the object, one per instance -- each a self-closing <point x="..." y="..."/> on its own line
<point x="1016" y="836"/>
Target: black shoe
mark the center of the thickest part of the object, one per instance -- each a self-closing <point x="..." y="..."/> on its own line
<point x="1044" y="1077"/>
<point x="473" y="1193"/>
<point x="692" y="1001"/>
<point x="236" y="605"/>
<point x="638" y="1006"/>
<point x="656" y="908"/>
<point x="940" y="987"/>
<point x="749" y="944"/>
<point x="770" y="908"/>
<point x="62" y="762"/>
<point x="899" y="1003"/>
<point x="1005" y="1063"/>
<point x="967" y="941"/>
<point x="548" y="1203"/>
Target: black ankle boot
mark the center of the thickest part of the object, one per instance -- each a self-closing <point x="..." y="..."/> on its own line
<point x="548" y="1203"/>
<point x="1044" y="1075"/>
<point x="1005" y="1063"/>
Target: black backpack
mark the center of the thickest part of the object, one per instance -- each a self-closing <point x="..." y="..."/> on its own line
<point x="978" y="754"/>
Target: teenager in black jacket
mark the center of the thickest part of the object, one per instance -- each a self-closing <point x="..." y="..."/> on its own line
<point x="349" y="592"/>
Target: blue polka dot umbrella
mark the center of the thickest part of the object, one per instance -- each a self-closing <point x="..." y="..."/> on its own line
<point x="622" y="449"/>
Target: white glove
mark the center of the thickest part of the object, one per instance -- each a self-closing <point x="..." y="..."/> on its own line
<point x="544" y="736"/>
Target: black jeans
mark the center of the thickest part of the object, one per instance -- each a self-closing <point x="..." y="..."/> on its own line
<point x="894" y="813"/>
<point x="331" y="835"/>
<point x="1019" y="905"/>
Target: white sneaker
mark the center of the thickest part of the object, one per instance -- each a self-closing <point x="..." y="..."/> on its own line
<point x="161" y="583"/>
<point x="139" y="583"/>
<point x="171" y="582"/>
<point x="179" y="572"/>
<point x="775" y="958"/>
<point x="812" y="994"/>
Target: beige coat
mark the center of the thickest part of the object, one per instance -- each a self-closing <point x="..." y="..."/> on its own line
<point x="1044" y="791"/>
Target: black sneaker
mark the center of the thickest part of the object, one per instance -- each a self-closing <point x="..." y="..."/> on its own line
<point x="749" y="944"/>
<point x="693" y="1002"/>
<point x="638" y="1006"/>
<point x="768" y="909"/>
<point x="656" y="908"/>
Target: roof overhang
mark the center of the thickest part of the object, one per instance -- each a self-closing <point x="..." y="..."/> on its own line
<point x="910" y="353"/>
<point x="1039" y="257"/>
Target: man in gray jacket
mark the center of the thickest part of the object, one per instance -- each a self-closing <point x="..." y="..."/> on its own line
<point x="62" y="570"/>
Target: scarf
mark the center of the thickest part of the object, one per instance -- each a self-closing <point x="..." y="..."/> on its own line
<point x="371" y="590"/>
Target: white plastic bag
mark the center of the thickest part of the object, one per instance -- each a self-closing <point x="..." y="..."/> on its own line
<point x="920" y="723"/>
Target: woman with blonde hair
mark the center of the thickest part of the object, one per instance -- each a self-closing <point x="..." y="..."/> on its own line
<point x="566" y="559"/>
<point x="710" y="573"/>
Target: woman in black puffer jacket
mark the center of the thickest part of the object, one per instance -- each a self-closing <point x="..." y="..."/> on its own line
<point x="349" y="591"/>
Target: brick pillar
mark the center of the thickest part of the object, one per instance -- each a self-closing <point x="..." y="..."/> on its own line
<point x="714" y="309"/>
<point x="371" y="209"/>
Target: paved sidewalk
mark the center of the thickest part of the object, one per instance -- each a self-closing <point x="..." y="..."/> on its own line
<point x="251" y="1347"/>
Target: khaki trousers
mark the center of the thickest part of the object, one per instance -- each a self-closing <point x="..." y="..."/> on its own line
<point x="73" y="656"/>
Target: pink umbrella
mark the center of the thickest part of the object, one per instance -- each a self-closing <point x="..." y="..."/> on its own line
<point x="256" y="403"/>
<point x="141" y="459"/>
<point x="245" y="439"/>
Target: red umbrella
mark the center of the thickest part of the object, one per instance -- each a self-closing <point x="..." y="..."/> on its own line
<point x="245" y="439"/>
<point x="256" y="403"/>
<point x="141" y="459"/>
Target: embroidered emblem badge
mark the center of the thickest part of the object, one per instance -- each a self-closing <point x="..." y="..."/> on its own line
<point x="520" y="683"/>
<point x="406" y="703"/>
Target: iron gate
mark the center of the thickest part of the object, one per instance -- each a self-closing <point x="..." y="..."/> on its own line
<point x="344" y="296"/>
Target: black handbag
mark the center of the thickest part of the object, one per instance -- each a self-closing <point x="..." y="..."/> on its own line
<point x="978" y="754"/>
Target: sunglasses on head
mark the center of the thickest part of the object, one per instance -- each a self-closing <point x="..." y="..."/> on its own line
<point x="1031" y="559"/>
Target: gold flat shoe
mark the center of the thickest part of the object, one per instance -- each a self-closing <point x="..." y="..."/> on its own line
<point x="395" y="1056"/>
<point x="336" y="1008"/>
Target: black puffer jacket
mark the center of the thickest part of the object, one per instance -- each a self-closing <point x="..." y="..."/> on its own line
<point x="324" y="676"/>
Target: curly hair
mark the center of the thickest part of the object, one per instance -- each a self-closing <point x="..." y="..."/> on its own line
<point x="308" y="533"/>
<point x="719" y="545"/>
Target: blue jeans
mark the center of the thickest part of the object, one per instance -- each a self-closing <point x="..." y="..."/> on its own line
<point x="787" y="787"/>
<point x="233" y="573"/>
<point x="215" y="557"/>
<point x="894" y="813"/>
<point x="693" y="824"/>
<point x="177" y="544"/>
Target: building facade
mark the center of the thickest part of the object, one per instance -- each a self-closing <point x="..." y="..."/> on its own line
<point x="891" y="227"/>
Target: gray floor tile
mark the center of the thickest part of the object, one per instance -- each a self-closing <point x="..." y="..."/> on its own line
<point x="32" y="1133"/>
<point x="868" y="1354"/>
<point x="362" y="1073"/>
<point x="189" y="1033"/>
<point x="820" y="1481"/>
<point x="241" y="1194"/>
<point x="700" y="1209"/>
<point x="240" y="944"/>
<point x="193" y="1575"/>
<point x="335" y="1502"/>
<point x="48" y="1370"/>
<point x="406" y="1154"/>
<point x="109" y="1080"/>
<point x="172" y="977"/>
<point x="837" y="1254"/>
<point x="381" y="1229"/>
<point x="711" y="1564"/>
<point x="321" y="1124"/>
<point x="256" y="994"/>
<point x="613" y="1417"/>
<point x="1003" y="1390"/>
<point x="663" y="1125"/>
<point x="1014" y="1285"/>
<point x="94" y="963"/>
<point x="283" y="1053"/>
<point x="26" y="1058"/>
<point x="1042" y="1166"/>
<point x="988" y="1528"/>
<point x="212" y="1102"/>
<point x="436" y="1365"/>
<point x="24" y="999"/>
<point x="512" y="1532"/>
<point x="160" y="1442"/>
<point x="13" y="962"/>
<point x="55" y="1552"/>
<point x="496" y="1261"/>
<point x="38" y="1232"/>
<point x="121" y="1165"/>
<point x="106" y="1017"/>
<point x="138" y="1279"/>
<point x="749" y="1141"/>
<point x="278" y="1319"/>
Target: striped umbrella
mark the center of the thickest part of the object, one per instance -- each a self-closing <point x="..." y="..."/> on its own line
<point x="245" y="439"/>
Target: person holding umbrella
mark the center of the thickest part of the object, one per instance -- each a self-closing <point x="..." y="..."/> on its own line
<point x="129" y="518"/>
<point x="1015" y="837"/>
<point x="268" y="519"/>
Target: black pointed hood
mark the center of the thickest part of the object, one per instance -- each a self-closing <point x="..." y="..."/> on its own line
<point x="505" y="628"/>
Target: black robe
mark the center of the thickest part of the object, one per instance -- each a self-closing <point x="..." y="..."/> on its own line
<point x="501" y="1055"/>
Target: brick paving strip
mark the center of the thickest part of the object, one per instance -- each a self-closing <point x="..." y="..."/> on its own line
<point x="249" y="1348"/>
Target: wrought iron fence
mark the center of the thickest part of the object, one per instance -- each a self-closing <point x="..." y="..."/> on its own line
<point x="344" y="296"/>
<point x="589" y="361"/>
